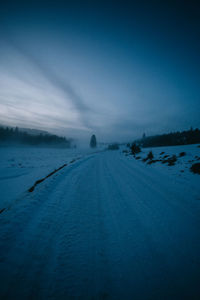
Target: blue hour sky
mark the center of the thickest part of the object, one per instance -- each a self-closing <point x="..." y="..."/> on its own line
<point x="116" y="69"/>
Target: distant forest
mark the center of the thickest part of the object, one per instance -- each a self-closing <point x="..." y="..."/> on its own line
<point x="191" y="136"/>
<point x="16" y="136"/>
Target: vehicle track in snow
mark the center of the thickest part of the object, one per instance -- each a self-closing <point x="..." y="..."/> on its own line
<point x="102" y="228"/>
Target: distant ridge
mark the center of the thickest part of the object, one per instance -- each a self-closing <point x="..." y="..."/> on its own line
<point x="33" y="131"/>
<point x="25" y="136"/>
<point x="186" y="137"/>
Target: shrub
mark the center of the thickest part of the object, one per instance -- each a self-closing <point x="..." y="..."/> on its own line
<point x="135" y="149"/>
<point x="195" y="168"/>
<point x="145" y="159"/>
<point x="150" y="155"/>
<point x="171" y="160"/>
<point x="181" y="154"/>
<point x="152" y="161"/>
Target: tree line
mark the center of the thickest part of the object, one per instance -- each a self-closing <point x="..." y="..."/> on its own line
<point x="191" y="136"/>
<point x="16" y="136"/>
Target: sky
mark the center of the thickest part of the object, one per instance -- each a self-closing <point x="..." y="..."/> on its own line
<point x="116" y="69"/>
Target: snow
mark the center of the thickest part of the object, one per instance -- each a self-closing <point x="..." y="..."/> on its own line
<point x="180" y="172"/>
<point x="20" y="167"/>
<point x="105" y="227"/>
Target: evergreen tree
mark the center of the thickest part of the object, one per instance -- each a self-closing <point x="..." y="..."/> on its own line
<point x="93" y="141"/>
<point x="14" y="135"/>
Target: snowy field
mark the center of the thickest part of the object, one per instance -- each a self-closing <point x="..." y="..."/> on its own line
<point x="20" y="167"/>
<point x="107" y="226"/>
<point x="180" y="171"/>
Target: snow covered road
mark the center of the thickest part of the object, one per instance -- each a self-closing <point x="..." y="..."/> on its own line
<point x="104" y="227"/>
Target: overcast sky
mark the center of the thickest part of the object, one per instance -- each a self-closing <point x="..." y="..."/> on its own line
<point x="104" y="67"/>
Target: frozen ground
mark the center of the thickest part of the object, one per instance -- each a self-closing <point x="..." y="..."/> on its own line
<point x="180" y="171"/>
<point x="105" y="227"/>
<point x="20" y="167"/>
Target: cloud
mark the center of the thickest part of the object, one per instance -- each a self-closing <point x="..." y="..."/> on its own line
<point x="64" y="86"/>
